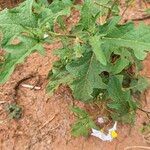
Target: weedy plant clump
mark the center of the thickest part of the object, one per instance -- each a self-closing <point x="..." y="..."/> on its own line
<point x="14" y="110"/>
<point x="100" y="59"/>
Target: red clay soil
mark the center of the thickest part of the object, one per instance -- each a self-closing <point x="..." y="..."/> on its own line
<point x="47" y="120"/>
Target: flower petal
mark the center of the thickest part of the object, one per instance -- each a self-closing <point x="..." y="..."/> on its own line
<point x="101" y="135"/>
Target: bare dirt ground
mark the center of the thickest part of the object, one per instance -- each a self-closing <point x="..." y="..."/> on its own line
<point x="46" y="120"/>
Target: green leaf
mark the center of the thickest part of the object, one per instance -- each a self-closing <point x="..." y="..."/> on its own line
<point x="142" y="84"/>
<point x="24" y="15"/>
<point x="78" y="50"/>
<point x="86" y="15"/>
<point x="17" y="20"/>
<point x="96" y="42"/>
<point x="80" y="113"/>
<point x="27" y="46"/>
<point x="8" y="28"/>
<point x="139" y="84"/>
<point x="57" y="77"/>
<point x="128" y="118"/>
<point x="39" y="47"/>
<point x="86" y="72"/>
<point x="64" y="53"/>
<point x="109" y="26"/>
<point x="84" y="123"/>
<point x="137" y="39"/>
<point x="57" y="5"/>
<point x="43" y="2"/>
<point x="29" y="4"/>
<point x="122" y="101"/>
<point x="49" y="16"/>
<point x="103" y="7"/>
<point x="119" y="65"/>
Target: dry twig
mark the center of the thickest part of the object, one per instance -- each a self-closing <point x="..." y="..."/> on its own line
<point x="147" y="112"/>
<point x="141" y="19"/>
<point x="135" y="147"/>
<point x="20" y="82"/>
<point x="47" y="122"/>
<point x="30" y="86"/>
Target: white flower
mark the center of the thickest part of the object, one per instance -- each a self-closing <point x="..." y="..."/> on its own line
<point x="106" y="137"/>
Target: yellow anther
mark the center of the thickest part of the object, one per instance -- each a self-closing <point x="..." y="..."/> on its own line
<point x="114" y="134"/>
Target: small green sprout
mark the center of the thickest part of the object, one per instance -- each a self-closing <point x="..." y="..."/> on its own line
<point x="14" y="110"/>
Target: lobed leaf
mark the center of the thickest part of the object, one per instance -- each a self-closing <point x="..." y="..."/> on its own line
<point x="86" y="72"/>
<point x="83" y="124"/>
<point x="137" y="39"/>
<point x="26" y="47"/>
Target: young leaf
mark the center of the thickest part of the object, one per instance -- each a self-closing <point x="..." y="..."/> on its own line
<point x="110" y="26"/>
<point x="96" y="42"/>
<point x="58" y="76"/>
<point x="50" y="15"/>
<point x="86" y="15"/>
<point x="84" y="123"/>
